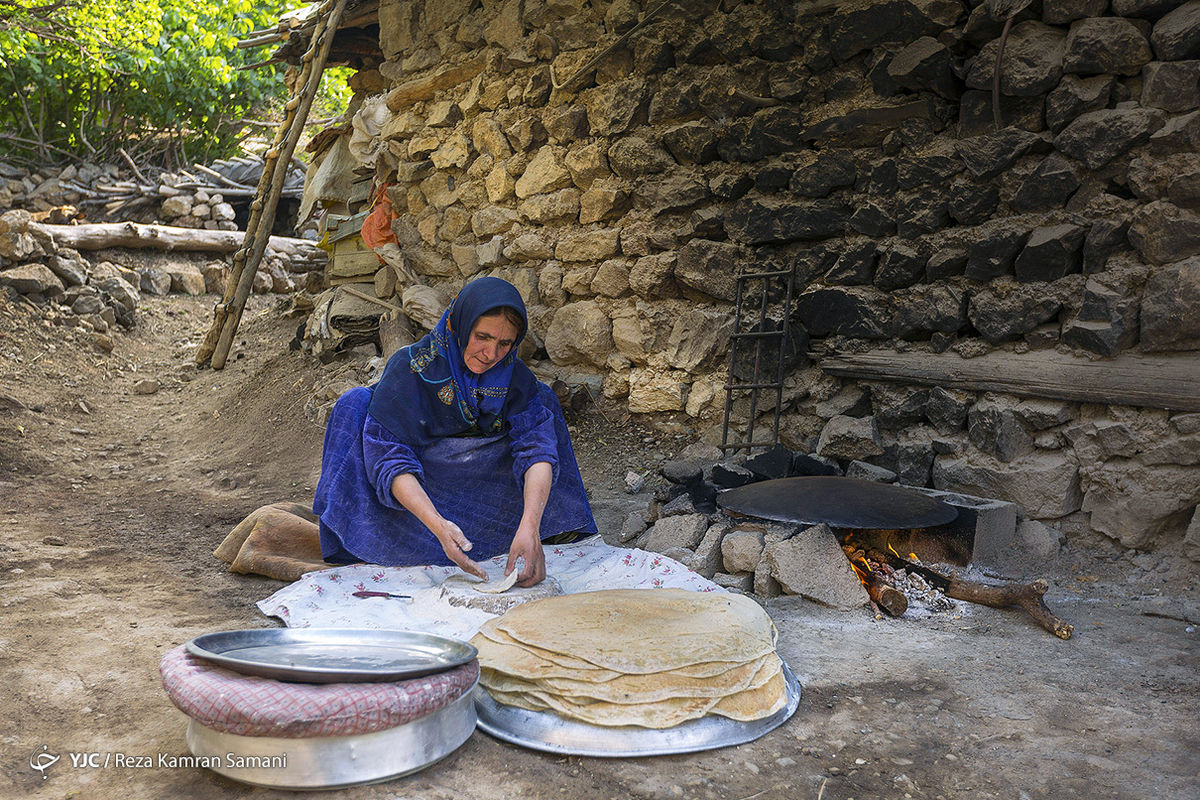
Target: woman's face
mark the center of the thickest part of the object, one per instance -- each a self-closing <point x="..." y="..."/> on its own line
<point x="490" y="341"/>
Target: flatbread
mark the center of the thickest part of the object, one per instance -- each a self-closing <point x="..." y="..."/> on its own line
<point x="465" y="591"/>
<point x="644" y="630"/>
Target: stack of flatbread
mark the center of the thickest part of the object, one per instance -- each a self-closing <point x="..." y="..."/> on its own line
<point x="647" y="657"/>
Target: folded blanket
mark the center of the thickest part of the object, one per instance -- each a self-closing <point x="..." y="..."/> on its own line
<point x="281" y="541"/>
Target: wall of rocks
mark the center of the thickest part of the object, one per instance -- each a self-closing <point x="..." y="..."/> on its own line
<point x="857" y="145"/>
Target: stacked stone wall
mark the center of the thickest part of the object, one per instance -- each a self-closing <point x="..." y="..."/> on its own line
<point x="857" y="145"/>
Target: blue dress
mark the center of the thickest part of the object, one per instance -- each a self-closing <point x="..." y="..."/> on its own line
<point x="472" y="481"/>
<point x="467" y="438"/>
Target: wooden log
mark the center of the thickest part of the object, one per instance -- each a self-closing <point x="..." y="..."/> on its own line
<point x="425" y="87"/>
<point x="882" y="593"/>
<point x="100" y="235"/>
<point x="1170" y="381"/>
<point x="1030" y="596"/>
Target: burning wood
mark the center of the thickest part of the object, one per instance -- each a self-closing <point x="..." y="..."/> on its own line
<point x="877" y="571"/>
<point x="877" y="582"/>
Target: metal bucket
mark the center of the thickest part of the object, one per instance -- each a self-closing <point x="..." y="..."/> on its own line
<point x="335" y="761"/>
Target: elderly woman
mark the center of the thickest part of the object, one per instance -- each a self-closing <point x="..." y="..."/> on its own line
<point x="457" y="449"/>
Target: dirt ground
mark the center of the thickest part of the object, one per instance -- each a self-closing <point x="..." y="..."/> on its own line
<point x="111" y="502"/>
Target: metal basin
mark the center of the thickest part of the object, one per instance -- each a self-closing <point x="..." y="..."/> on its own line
<point x="335" y="761"/>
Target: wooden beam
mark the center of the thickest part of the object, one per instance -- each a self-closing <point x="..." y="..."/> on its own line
<point x="135" y="236"/>
<point x="1164" y="380"/>
<point x="425" y="87"/>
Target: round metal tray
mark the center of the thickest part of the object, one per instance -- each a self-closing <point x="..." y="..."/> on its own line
<point x="331" y="655"/>
<point x="544" y="730"/>
<point x="335" y="761"/>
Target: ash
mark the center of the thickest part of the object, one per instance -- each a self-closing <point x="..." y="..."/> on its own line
<point x="923" y="600"/>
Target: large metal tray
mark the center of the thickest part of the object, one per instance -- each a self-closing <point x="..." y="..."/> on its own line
<point x="545" y="730"/>
<point x="331" y="655"/>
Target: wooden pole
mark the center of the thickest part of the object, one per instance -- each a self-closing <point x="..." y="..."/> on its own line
<point x="228" y="314"/>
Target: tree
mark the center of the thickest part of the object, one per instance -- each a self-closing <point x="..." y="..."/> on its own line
<point x="157" y="77"/>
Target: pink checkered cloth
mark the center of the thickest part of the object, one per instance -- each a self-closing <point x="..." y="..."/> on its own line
<point x="247" y="705"/>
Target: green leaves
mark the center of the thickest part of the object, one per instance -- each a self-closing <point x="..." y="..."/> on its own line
<point x="118" y="73"/>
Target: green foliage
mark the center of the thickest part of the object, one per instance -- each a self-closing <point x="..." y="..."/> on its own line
<point x="159" y="77"/>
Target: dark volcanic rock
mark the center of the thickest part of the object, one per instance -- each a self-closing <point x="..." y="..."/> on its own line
<point x="925" y="65"/>
<point x="882" y="180"/>
<point x="681" y="471"/>
<point x="1148" y="9"/>
<point x="855" y="29"/>
<point x="937" y="170"/>
<point x="730" y="187"/>
<point x="925" y="212"/>
<point x="821" y="177"/>
<point x="925" y="310"/>
<point x="1008" y="310"/>
<point x="1098" y="137"/>
<point x="972" y="203"/>
<point x="898" y="407"/>
<point x="1050" y="253"/>
<point x="1032" y="65"/>
<point x="945" y="263"/>
<point x="1059" y="12"/>
<point x="855" y="266"/>
<point x="775" y="463"/>
<point x="945" y="410"/>
<point x="1102" y="240"/>
<point x="1047" y="187"/>
<point x="813" y="465"/>
<point x="1075" y="96"/>
<point x="1162" y="232"/>
<point x="1107" y="321"/>
<point x="853" y="311"/>
<point x="728" y="475"/>
<point x="1179" y="135"/>
<point x="911" y="460"/>
<point x="1105" y="46"/>
<point x="988" y="155"/>
<point x="992" y="253"/>
<point x="1171" y="86"/>
<point x="1177" y="35"/>
<point x="1171" y="308"/>
<point x="758" y="221"/>
<point x="899" y="266"/>
<point x="997" y="431"/>
<point x="691" y="143"/>
<point x="871" y="220"/>
<point x="975" y="114"/>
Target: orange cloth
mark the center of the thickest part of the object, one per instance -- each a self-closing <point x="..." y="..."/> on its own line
<point x="377" y="227"/>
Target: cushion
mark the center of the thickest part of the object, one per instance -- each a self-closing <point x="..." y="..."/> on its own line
<point x="248" y="705"/>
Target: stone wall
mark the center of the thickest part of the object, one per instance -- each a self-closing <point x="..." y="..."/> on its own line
<point x="856" y="145"/>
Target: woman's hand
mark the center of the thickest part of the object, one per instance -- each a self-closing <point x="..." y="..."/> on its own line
<point x="408" y="492"/>
<point x="527" y="544"/>
<point x="456" y="545"/>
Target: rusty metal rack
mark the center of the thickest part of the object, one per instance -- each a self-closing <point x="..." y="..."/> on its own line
<point x="768" y="372"/>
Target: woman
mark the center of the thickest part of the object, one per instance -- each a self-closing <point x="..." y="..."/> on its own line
<point x="457" y="449"/>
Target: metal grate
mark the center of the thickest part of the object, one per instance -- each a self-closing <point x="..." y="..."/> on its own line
<point x="768" y="373"/>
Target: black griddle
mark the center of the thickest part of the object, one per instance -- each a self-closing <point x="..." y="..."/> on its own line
<point x="838" y="502"/>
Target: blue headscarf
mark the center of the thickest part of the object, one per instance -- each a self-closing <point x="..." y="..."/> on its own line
<point x="427" y="392"/>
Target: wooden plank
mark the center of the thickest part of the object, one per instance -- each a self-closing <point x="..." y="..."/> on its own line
<point x="1170" y="380"/>
<point x="425" y="87"/>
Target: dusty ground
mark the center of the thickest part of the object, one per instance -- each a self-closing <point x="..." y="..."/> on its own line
<point x="112" y="501"/>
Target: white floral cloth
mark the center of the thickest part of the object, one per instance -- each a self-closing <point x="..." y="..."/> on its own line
<point x="326" y="599"/>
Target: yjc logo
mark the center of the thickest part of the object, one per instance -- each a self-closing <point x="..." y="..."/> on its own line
<point x="42" y="761"/>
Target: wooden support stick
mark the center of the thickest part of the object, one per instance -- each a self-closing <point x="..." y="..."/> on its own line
<point x="1029" y="597"/>
<point x="228" y="314"/>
